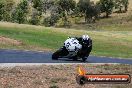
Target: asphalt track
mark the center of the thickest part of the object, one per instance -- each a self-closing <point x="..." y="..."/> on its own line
<point x="19" y="56"/>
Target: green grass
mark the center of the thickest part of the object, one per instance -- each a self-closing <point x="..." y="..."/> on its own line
<point x="105" y="43"/>
<point x="41" y="38"/>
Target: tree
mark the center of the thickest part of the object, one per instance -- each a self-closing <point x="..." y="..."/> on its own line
<point x="125" y="3"/>
<point x="89" y="9"/>
<point x="51" y="20"/>
<point x="120" y="4"/>
<point x="19" y="15"/>
<point x="37" y="4"/>
<point x="43" y="5"/>
<point x="106" y="6"/>
<point x="35" y="18"/>
<point x="8" y="6"/>
<point x="83" y="5"/>
<point x="47" y="4"/>
<point x="1" y="10"/>
<point x="65" y="6"/>
<point x="92" y="13"/>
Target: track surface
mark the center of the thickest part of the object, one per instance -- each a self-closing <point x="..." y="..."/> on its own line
<point x="18" y="56"/>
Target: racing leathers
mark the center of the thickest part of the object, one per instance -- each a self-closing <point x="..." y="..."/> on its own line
<point x="86" y="47"/>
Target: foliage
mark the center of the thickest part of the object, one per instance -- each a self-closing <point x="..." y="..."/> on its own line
<point x="106" y="6"/>
<point x="83" y="5"/>
<point x="6" y="7"/>
<point x="43" y="5"/>
<point x="7" y="12"/>
<point x="37" y="4"/>
<point x="66" y="5"/>
<point x="53" y="12"/>
<point x="120" y="4"/>
<point x="1" y="10"/>
<point x="20" y="13"/>
<point x="51" y="20"/>
<point x="62" y="23"/>
<point x="35" y="18"/>
<point x="89" y="9"/>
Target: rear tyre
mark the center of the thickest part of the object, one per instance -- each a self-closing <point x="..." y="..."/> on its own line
<point x="74" y="58"/>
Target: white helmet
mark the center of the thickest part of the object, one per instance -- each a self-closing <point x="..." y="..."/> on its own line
<point x="85" y="37"/>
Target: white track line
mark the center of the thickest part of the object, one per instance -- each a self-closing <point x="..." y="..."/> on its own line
<point x="38" y="64"/>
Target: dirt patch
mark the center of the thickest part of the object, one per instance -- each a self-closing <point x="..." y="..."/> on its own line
<point x="5" y="40"/>
<point x="58" y="76"/>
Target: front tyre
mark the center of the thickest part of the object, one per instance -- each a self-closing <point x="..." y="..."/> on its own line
<point x="59" y="53"/>
<point x="55" y="56"/>
<point x="75" y="58"/>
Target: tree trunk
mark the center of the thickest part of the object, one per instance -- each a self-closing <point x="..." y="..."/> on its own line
<point x="107" y="14"/>
<point x="126" y="8"/>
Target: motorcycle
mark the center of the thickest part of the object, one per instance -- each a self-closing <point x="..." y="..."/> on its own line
<point x="72" y="49"/>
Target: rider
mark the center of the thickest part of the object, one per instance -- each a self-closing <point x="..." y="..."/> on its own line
<point x="83" y="51"/>
<point x="86" y="48"/>
<point x="86" y="43"/>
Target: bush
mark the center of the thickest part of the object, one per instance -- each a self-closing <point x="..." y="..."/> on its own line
<point x="89" y="9"/>
<point x="35" y="19"/>
<point x="8" y="9"/>
<point x="19" y="15"/>
<point x="121" y="4"/>
<point x="46" y="22"/>
<point x="51" y="20"/>
<point x="66" y="5"/>
<point x="62" y="23"/>
<point x="92" y="13"/>
<point x="1" y="10"/>
<point x="77" y="20"/>
<point x="43" y="5"/>
<point x="83" y="5"/>
<point x="106" y="6"/>
<point x="37" y="4"/>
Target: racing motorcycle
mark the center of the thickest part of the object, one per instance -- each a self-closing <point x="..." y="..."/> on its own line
<point x="72" y="49"/>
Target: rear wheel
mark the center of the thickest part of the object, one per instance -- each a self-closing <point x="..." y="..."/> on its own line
<point x="85" y="57"/>
<point x="74" y="58"/>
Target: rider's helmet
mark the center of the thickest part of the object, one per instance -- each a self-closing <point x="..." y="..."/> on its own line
<point x="85" y="39"/>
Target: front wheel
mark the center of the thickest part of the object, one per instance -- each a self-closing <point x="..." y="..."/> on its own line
<point x="54" y="57"/>
<point x="59" y="53"/>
